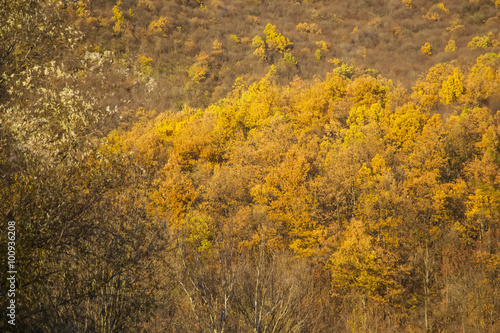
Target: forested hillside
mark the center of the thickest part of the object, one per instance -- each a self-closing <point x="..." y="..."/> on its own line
<point x="251" y="166"/>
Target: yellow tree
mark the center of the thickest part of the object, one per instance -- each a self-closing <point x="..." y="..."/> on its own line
<point x="426" y="90"/>
<point x="275" y="40"/>
<point x="405" y="124"/>
<point x="378" y="202"/>
<point x="452" y="87"/>
<point x="484" y="203"/>
<point x="422" y="183"/>
<point x="483" y="80"/>
<point x="290" y="203"/>
<point x="361" y="269"/>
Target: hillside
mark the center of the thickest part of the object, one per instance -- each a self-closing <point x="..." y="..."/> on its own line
<point x="263" y="166"/>
<point x="191" y="52"/>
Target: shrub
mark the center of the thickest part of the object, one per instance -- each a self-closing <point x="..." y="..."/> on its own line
<point x="308" y="28"/>
<point x="322" y="45"/>
<point x="145" y="63"/>
<point x="82" y="9"/>
<point x="455" y="25"/>
<point x="372" y="72"/>
<point x="431" y="16"/>
<point x="199" y="70"/>
<point x="217" y="47"/>
<point x="235" y="38"/>
<point x="117" y="16"/>
<point x="408" y="3"/>
<point x="288" y="61"/>
<point x="160" y="26"/>
<point x="451" y="46"/>
<point x="253" y="19"/>
<point x="345" y="70"/>
<point x="443" y="8"/>
<point x="246" y="40"/>
<point x="317" y="55"/>
<point x="146" y="4"/>
<point x="427" y="49"/>
<point x="482" y="42"/>
<point x="334" y="61"/>
<point x="288" y="58"/>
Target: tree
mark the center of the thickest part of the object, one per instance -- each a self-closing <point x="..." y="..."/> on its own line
<point x="30" y="30"/>
<point x="275" y="40"/>
<point x="425" y="163"/>
<point x="452" y="87"/>
<point x="426" y="90"/>
<point x="82" y="266"/>
<point x="426" y="48"/>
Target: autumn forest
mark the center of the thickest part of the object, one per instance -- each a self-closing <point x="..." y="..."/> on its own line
<point x="250" y="165"/>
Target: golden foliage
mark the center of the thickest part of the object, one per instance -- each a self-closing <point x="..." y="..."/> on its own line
<point x="145" y="63"/>
<point x="161" y="26"/>
<point x="451" y="46"/>
<point x="482" y="42"/>
<point x="357" y="266"/>
<point x="117" y="17"/>
<point x="309" y="28"/>
<point x="275" y="40"/>
<point x="286" y="199"/>
<point x="427" y="89"/>
<point x="452" y="88"/>
<point x="199" y="70"/>
<point x="217" y="47"/>
<point x="426" y="48"/>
